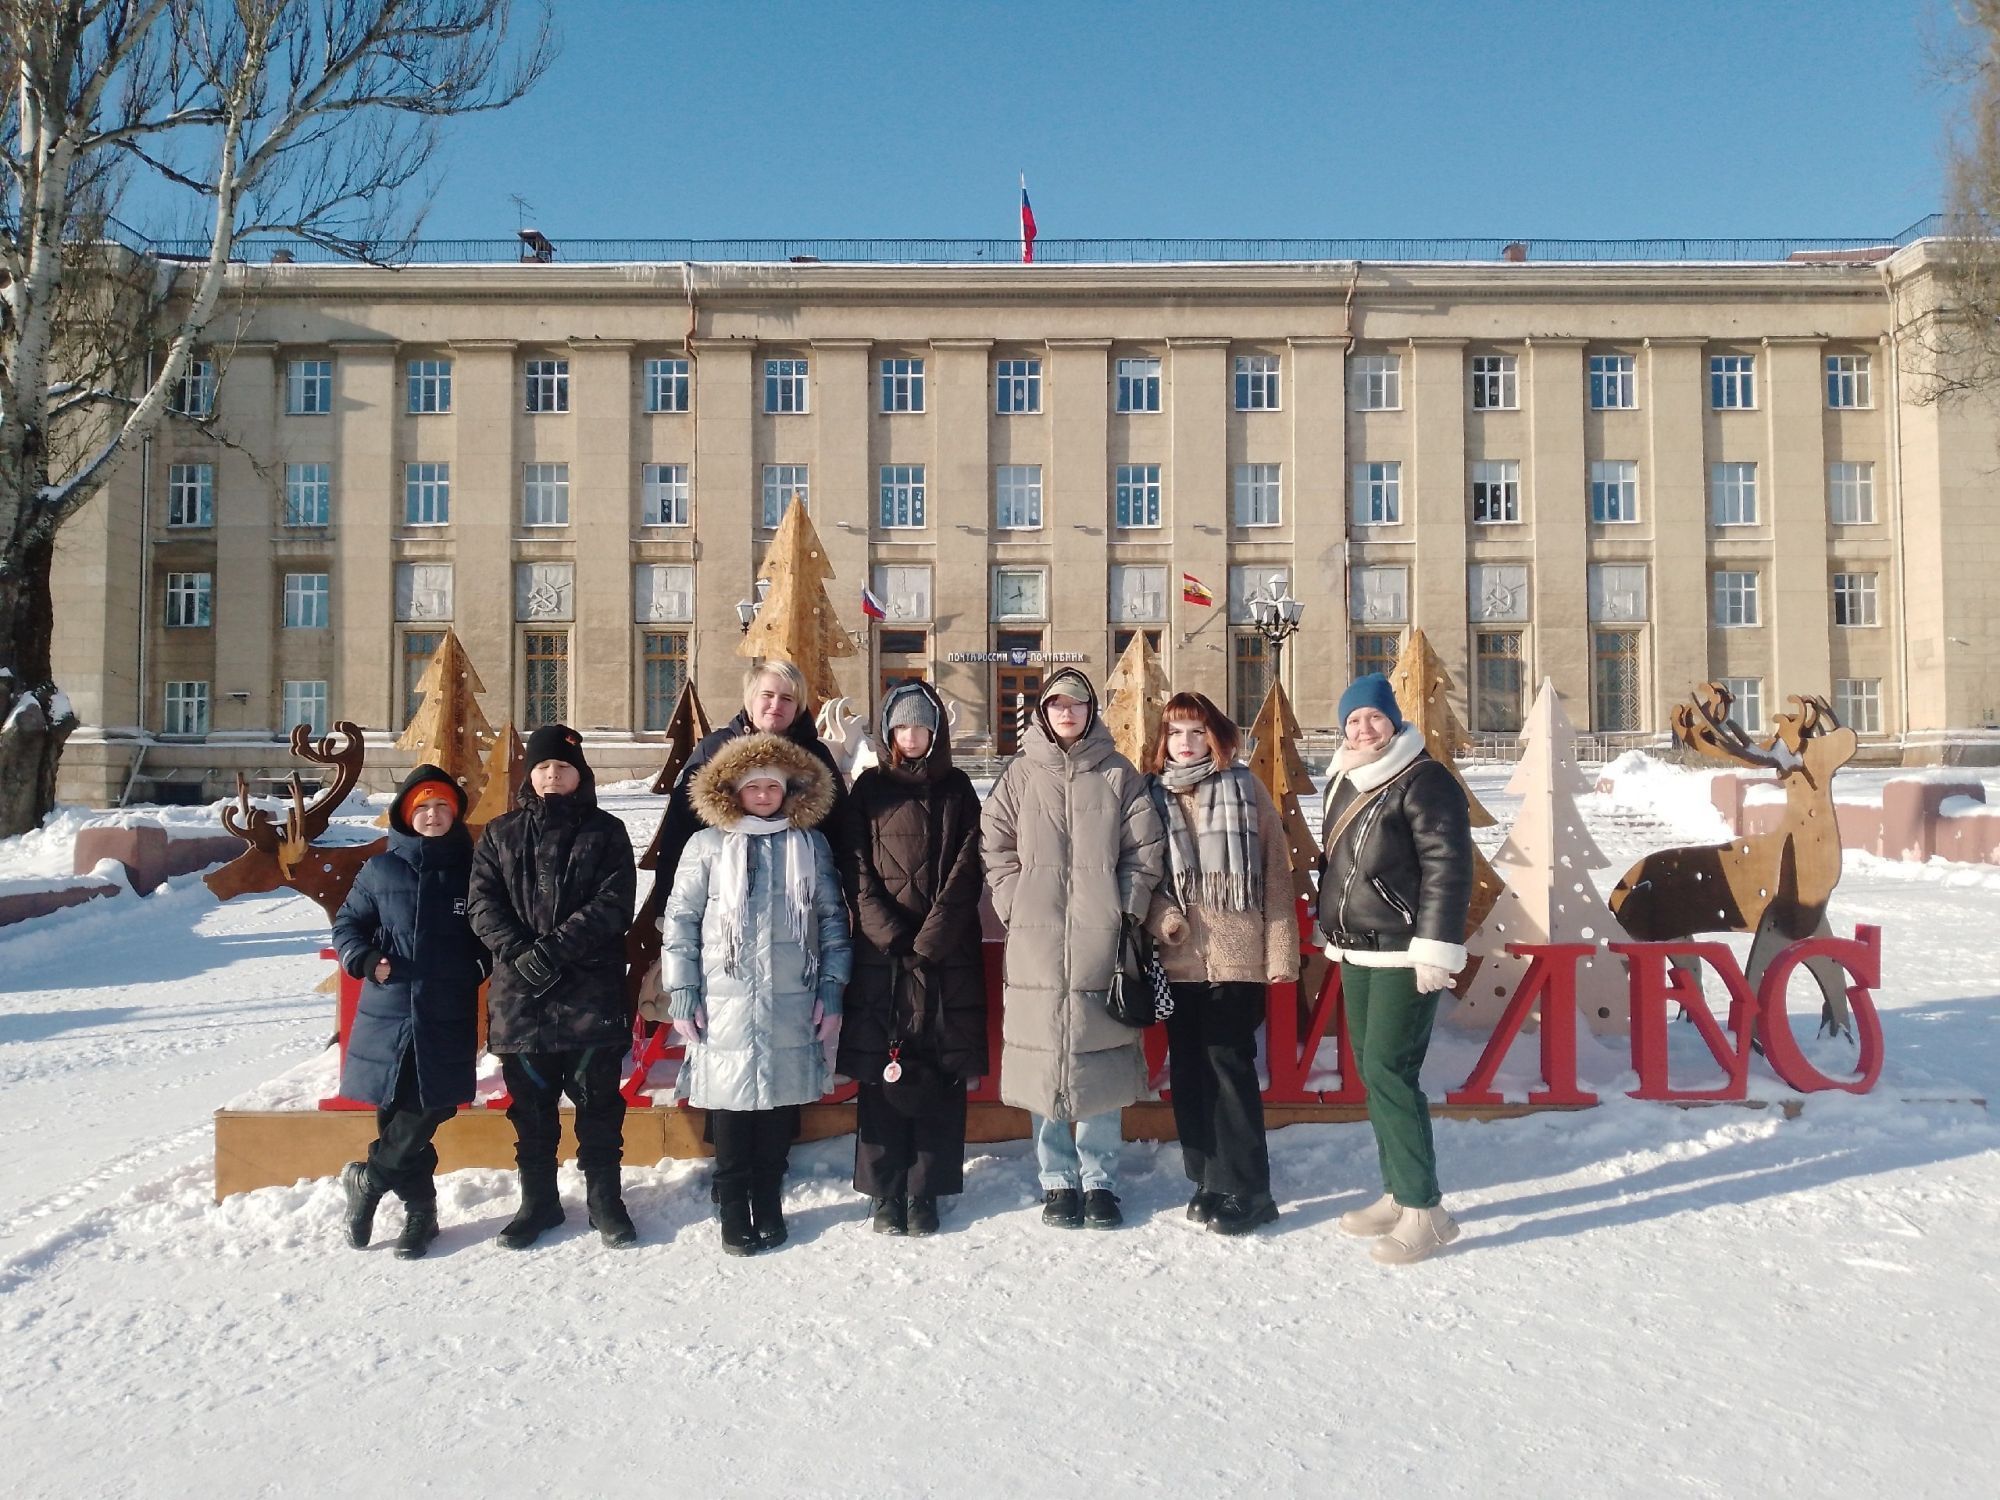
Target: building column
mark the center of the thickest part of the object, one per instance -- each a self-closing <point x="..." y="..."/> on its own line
<point x="1317" y="404"/>
<point x="1198" y="502"/>
<point x="1436" y="395"/>
<point x="1559" y="581"/>
<point x="1801" y="616"/>
<point x="1674" y="494"/>
<point x="962" y="487"/>
<point x="603" y="476"/>
<point x="485" y="507"/>
<point x="844" y="493"/>
<point x="249" y="502"/>
<point x="1076" y="513"/>
<point x="365" y="497"/>
<point x="723" y="509"/>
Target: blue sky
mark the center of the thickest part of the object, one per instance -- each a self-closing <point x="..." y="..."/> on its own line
<point x="1613" y="119"/>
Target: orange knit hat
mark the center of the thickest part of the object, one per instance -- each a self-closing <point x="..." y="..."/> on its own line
<point x="426" y="791"/>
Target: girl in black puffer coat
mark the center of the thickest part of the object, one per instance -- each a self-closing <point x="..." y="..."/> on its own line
<point x="403" y="932"/>
<point x="914" y="1029"/>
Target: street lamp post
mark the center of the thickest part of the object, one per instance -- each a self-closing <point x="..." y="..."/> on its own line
<point x="746" y="609"/>
<point x="1276" y="615"/>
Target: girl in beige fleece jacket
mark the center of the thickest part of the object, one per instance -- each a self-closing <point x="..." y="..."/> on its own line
<point x="1228" y="919"/>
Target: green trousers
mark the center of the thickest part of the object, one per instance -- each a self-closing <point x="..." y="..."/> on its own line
<point x="1389" y="1024"/>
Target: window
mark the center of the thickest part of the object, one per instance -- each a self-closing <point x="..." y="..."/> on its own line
<point x="191" y="495"/>
<point x="545" y="494"/>
<point x="1847" y="380"/>
<point x="305" y="703"/>
<point x="544" y="677"/>
<point x="1257" y="502"/>
<point x="1496" y="491"/>
<point x="1850" y="493"/>
<point x="783" y="483"/>
<point x="1375" y="382"/>
<point x="1376" y="651"/>
<point x="905" y="643"/>
<point x="1495" y="382"/>
<point x="1378" y="494"/>
<point x="1501" y="676"/>
<point x="1138" y="593"/>
<point x="429" y="384"/>
<point x="194" y="392"/>
<point x="1017" y="386"/>
<point x="305" y="601"/>
<point x="1136" y="495"/>
<point x="1138" y="384"/>
<point x="1735" y="598"/>
<point x="663" y="658"/>
<point x="663" y="490"/>
<point x="187" y="708"/>
<point x="1614" y="490"/>
<point x="1121" y="639"/>
<point x="308" y="494"/>
<point x="309" y="387"/>
<point x="1611" y="384"/>
<point x="1250" y="681"/>
<point x="1854" y="599"/>
<point x="1857" y="703"/>
<point x="903" y="496"/>
<point x="666" y="385"/>
<point x="1732" y="494"/>
<point x="902" y="385"/>
<point x="1732" y="381"/>
<point x="1747" y="701"/>
<point x="784" y="385"/>
<point x="1017" y="490"/>
<point x="1256" y="382"/>
<point x="1614" y="681"/>
<point x="419" y="646"/>
<point x="426" y="494"/>
<point x="188" y="596"/>
<point x="545" y="385"/>
<point x="1020" y="594"/>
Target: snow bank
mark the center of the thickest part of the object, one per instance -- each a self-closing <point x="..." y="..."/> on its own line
<point x="1676" y="795"/>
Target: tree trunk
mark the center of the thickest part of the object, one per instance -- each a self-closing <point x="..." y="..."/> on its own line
<point x="31" y="733"/>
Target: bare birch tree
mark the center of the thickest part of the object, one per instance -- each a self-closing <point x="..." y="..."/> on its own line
<point x="308" y="118"/>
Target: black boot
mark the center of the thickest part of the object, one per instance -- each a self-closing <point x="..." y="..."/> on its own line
<point x="541" y="1209"/>
<point x="923" y="1216"/>
<point x="607" y="1209"/>
<point x="889" y="1216"/>
<point x="1060" y="1208"/>
<point x="1201" y="1207"/>
<point x="362" y="1197"/>
<point x="767" y="1211"/>
<point x="1100" y="1209"/>
<point x="420" y="1227"/>
<point x="1239" y="1213"/>
<point x="738" y="1238"/>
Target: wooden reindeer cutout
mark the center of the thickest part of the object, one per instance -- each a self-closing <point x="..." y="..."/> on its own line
<point x="1776" y="885"/>
<point x="286" y="855"/>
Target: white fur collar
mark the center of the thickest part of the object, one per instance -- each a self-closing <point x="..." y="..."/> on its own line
<point x="1403" y="750"/>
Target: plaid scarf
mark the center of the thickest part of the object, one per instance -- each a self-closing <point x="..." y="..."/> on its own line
<point x="1218" y="863"/>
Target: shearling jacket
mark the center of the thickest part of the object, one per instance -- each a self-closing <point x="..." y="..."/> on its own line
<point x="1394" y="888"/>
<point x="1220" y="946"/>
<point x="1072" y="845"/>
<point x="757" y="1048"/>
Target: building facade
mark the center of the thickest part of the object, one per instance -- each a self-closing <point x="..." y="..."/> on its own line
<point x="1627" y="478"/>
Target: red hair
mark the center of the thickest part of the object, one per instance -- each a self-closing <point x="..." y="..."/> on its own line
<point x="1221" y="731"/>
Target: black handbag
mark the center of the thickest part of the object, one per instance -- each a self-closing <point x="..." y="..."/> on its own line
<point x="1139" y="993"/>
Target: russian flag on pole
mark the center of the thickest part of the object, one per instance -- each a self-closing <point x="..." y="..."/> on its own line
<point x="1027" y="224"/>
<point x="871" y="606"/>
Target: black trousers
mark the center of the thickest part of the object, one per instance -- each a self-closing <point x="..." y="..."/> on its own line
<point x="750" y="1148"/>
<point x="401" y="1158"/>
<point x="592" y="1078"/>
<point x="1212" y="1066"/>
<point x="914" y="1156"/>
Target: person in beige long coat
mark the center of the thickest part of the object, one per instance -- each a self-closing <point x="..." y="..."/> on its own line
<point x="1228" y="916"/>
<point x="1073" y="846"/>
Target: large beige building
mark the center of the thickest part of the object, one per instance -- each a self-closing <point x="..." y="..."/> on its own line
<point x="1626" y="477"/>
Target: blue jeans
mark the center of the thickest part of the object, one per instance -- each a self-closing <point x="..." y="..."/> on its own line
<point x="1091" y="1159"/>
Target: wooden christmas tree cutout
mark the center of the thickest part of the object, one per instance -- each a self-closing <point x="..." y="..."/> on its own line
<point x="448" y="729"/>
<point x="1549" y="896"/>
<point x="1135" y="694"/>
<point x="1422" y="689"/>
<point x="797" y="622"/>
<point x="1275" y="761"/>
<point x="686" y="727"/>
<point x="501" y="781"/>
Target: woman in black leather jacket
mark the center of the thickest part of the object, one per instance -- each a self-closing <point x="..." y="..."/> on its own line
<point x="1395" y="879"/>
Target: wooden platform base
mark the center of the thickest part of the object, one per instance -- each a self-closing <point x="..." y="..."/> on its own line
<point x="276" y="1148"/>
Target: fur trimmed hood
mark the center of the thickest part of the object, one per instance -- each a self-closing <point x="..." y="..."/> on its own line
<point x="808" y="784"/>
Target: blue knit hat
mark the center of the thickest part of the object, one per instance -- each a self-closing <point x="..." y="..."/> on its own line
<point x="1372" y="691"/>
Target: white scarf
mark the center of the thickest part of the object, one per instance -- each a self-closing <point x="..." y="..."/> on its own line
<point x="793" y="853"/>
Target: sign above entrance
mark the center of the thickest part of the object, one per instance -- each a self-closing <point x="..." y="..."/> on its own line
<point x="1017" y="658"/>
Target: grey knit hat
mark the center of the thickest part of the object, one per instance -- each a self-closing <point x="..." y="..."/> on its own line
<point x="910" y="704"/>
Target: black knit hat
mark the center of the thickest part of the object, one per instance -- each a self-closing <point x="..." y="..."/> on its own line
<point x="556" y="742"/>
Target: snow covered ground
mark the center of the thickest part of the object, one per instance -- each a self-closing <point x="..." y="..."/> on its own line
<point x="1647" y="1301"/>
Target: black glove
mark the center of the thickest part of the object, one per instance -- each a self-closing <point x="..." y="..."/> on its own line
<point x="538" y="967"/>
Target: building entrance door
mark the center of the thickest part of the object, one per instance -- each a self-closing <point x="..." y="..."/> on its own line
<point x="1014" y="698"/>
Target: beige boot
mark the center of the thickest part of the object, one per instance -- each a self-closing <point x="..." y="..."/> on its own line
<point x="1378" y="1218"/>
<point x="1419" y="1234"/>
